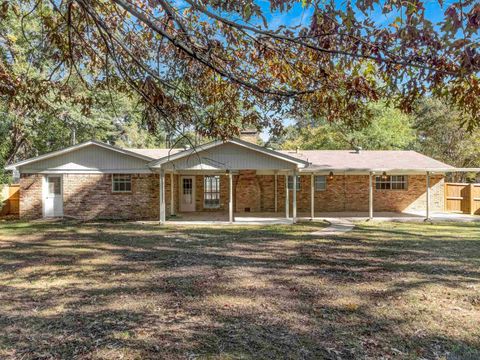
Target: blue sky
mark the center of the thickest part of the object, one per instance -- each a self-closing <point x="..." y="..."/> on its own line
<point x="300" y="15"/>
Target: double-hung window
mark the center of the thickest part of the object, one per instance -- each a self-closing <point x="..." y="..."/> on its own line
<point x="211" y="192"/>
<point x="121" y="183"/>
<point x="320" y="182"/>
<point x="290" y="182"/>
<point x="391" y="182"/>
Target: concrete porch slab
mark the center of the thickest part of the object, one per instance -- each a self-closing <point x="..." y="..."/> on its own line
<point x="272" y="218"/>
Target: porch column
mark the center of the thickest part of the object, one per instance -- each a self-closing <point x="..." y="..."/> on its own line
<point x="287" y="203"/>
<point x="428" y="197"/>
<point x="276" y="197"/>
<point x="294" y="208"/>
<point x="162" y="196"/>
<point x="312" y="196"/>
<point x="230" y="197"/>
<point x="172" y="193"/>
<point x="370" y="196"/>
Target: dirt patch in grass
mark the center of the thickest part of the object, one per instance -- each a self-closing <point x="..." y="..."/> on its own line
<point x="141" y="291"/>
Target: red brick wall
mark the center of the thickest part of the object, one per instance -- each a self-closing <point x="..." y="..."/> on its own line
<point x="248" y="193"/>
<point x="89" y="195"/>
<point x="350" y="193"/>
<point x="199" y="196"/>
<point x="31" y="196"/>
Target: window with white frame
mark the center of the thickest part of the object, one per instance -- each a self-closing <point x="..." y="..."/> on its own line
<point x="290" y="182"/>
<point x="121" y="183"/>
<point x="320" y="182"/>
<point x="391" y="182"/>
<point x="211" y="192"/>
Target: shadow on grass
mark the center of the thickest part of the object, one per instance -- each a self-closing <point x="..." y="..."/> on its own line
<point x="110" y="290"/>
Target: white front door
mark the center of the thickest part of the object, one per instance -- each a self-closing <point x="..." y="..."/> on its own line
<point x="53" y="196"/>
<point x="187" y="193"/>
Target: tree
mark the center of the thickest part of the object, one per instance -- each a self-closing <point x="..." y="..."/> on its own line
<point x="388" y="129"/>
<point x="442" y="136"/>
<point x="204" y="63"/>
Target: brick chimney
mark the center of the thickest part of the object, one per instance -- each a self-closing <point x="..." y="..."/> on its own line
<point x="250" y="135"/>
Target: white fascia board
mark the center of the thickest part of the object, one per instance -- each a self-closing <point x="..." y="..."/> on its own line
<point x="248" y="145"/>
<point x="366" y="171"/>
<point x="74" y="148"/>
<point x="465" y="170"/>
<point x="88" y="171"/>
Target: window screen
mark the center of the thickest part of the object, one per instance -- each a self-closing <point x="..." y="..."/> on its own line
<point x="320" y="182"/>
<point x="211" y="191"/>
<point x="290" y="182"/>
<point x="393" y="182"/>
<point x="121" y="183"/>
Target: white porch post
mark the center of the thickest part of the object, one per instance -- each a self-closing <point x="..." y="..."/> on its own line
<point x="162" y="196"/>
<point x="276" y="196"/>
<point x="287" y="203"/>
<point x="230" y="197"/>
<point x="370" y="195"/>
<point x="312" y="196"/>
<point x="294" y="208"/>
<point x="172" y="193"/>
<point x="428" y="197"/>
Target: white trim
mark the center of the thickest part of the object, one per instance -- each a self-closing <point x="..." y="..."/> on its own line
<point x="45" y="193"/>
<point x="216" y="177"/>
<point x="367" y="171"/>
<point x="74" y="148"/>
<point x="315" y="182"/>
<point x="216" y="143"/>
<point x="121" y="191"/>
<point x="370" y="195"/>
<point x="108" y="171"/>
<point x="180" y="192"/>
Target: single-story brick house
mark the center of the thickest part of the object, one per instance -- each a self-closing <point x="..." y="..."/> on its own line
<point x="97" y="180"/>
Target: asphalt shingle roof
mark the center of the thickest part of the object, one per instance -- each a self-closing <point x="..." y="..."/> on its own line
<point x="342" y="159"/>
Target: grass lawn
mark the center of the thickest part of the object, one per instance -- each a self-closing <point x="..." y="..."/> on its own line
<point x="136" y="291"/>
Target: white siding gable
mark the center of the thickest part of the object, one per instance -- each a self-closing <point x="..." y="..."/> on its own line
<point x="90" y="158"/>
<point x="229" y="156"/>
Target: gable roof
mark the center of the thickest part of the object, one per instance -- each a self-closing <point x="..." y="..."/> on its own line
<point x="276" y="154"/>
<point x="74" y="148"/>
<point x="368" y="160"/>
<point x="308" y="160"/>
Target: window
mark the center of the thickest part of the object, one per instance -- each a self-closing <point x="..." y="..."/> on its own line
<point x="393" y="182"/>
<point x="54" y="185"/>
<point x="211" y="192"/>
<point x="121" y="183"/>
<point x="320" y="182"/>
<point x="290" y="182"/>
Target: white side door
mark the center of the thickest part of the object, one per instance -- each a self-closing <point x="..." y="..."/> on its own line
<point x="187" y="193"/>
<point x="53" y="196"/>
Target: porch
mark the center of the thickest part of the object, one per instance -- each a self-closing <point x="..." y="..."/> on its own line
<point x="272" y="218"/>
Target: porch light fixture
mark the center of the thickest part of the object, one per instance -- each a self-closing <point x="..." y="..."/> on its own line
<point x="384" y="175"/>
<point x="330" y="176"/>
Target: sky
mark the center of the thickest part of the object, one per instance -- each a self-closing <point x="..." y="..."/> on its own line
<point x="300" y="15"/>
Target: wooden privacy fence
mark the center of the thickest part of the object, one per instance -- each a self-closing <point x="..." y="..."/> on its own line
<point x="462" y="198"/>
<point x="10" y="199"/>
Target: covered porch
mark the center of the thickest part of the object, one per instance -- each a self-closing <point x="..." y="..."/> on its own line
<point x="221" y="180"/>
<point x="236" y="181"/>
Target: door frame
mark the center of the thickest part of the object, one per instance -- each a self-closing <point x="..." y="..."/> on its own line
<point x="45" y="193"/>
<point x="180" y="192"/>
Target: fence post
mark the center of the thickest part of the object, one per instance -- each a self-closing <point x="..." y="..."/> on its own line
<point x="471" y="191"/>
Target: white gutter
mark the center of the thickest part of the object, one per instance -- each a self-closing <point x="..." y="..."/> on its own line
<point x="367" y="171"/>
